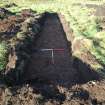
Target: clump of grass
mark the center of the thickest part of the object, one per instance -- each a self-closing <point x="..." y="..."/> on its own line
<point x="98" y="48"/>
<point x="3" y="55"/>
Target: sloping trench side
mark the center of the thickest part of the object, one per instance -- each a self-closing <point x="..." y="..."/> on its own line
<point x="40" y="65"/>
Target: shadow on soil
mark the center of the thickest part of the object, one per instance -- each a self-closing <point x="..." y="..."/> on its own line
<point x="46" y="86"/>
<point x="85" y="73"/>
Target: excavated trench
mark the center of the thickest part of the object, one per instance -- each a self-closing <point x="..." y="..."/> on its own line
<point x="64" y="70"/>
<point x="47" y="81"/>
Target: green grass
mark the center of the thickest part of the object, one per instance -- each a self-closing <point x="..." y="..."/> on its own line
<point x="99" y="46"/>
<point x="3" y="55"/>
<point x="81" y="22"/>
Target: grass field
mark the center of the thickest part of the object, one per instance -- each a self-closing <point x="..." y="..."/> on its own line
<point x="79" y="18"/>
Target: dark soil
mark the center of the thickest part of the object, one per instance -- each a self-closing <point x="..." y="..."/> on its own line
<point x="40" y="64"/>
<point x="18" y="32"/>
<point x="67" y="81"/>
<point x="58" y="82"/>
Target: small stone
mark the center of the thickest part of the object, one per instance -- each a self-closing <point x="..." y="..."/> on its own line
<point x="92" y="83"/>
<point x="8" y="92"/>
<point x="30" y="89"/>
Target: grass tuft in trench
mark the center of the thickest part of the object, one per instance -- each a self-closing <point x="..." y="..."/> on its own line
<point x="3" y="55"/>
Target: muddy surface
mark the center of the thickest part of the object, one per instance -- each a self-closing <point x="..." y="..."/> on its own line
<point x="64" y="81"/>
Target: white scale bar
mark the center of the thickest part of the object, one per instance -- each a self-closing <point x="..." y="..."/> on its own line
<point x="52" y="57"/>
<point x="52" y="53"/>
<point x="46" y="49"/>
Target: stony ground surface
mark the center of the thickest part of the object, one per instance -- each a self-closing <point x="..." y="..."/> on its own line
<point x="41" y="93"/>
